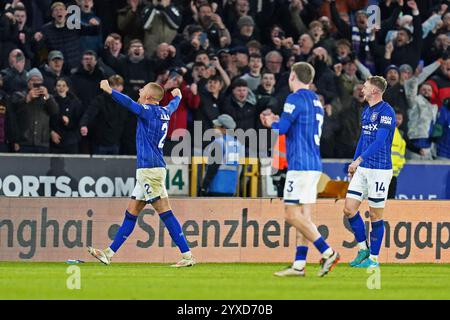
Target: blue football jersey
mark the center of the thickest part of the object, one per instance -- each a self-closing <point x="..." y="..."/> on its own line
<point x="381" y="115"/>
<point x="151" y="131"/>
<point x="305" y="113"/>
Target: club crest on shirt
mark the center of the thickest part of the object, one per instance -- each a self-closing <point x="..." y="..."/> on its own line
<point x="374" y="117"/>
<point x="289" y="107"/>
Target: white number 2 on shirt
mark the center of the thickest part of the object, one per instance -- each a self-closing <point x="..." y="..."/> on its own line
<point x="319" y="117"/>
<point x="164" y="129"/>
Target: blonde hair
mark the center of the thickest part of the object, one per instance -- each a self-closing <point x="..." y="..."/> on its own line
<point x="304" y="71"/>
<point x="156" y="91"/>
<point x="378" y="82"/>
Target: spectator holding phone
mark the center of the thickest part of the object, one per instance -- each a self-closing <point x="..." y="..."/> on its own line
<point x="195" y="41"/>
<point x="33" y="110"/>
<point x="211" y="23"/>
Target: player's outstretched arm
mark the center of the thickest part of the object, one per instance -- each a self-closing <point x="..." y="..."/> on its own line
<point x="175" y="102"/>
<point x="120" y="98"/>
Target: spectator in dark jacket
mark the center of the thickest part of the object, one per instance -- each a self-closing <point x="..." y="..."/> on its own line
<point x="246" y="32"/>
<point x="359" y="34"/>
<point x="67" y="135"/>
<point x="107" y="11"/>
<point x="192" y="44"/>
<point x="89" y="42"/>
<point x="349" y="125"/>
<point x="86" y="79"/>
<point x="5" y="122"/>
<point x="166" y="57"/>
<point x="436" y="47"/>
<point x="395" y="95"/>
<point x="210" y="103"/>
<point x="211" y="23"/>
<point x="407" y="45"/>
<point x="108" y="119"/>
<point x="137" y="71"/>
<point x="135" y="68"/>
<point x="57" y="35"/>
<point x="33" y="111"/>
<point x="129" y="21"/>
<point x="53" y="70"/>
<point x="241" y="105"/>
<point x="15" y="33"/>
<point x="112" y="48"/>
<point x="329" y="129"/>
<point x="15" y="77"/>
<point x="325" y="79"/>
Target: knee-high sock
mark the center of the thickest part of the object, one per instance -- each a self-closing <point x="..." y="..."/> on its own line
<point x="124" y="231"/>
<point x="358" y="227"/>
<point x="175" y="230"/>
<point x="376" y="237"/>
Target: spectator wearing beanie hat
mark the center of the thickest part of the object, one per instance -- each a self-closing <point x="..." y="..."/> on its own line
<point x="246" y="31"/>
<point x="33" y="110"/>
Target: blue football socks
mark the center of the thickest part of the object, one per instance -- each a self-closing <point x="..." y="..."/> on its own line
<point x="175" y="230"/>
<point x="376" y="237"/>
<point x="358" y="227"/>
<point x="124" y="231"/>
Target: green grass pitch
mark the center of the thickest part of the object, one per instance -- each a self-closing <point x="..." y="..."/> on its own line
<point x="19" y="280"/>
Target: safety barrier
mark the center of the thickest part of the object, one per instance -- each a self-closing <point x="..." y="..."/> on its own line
<point x="249" y="168"/>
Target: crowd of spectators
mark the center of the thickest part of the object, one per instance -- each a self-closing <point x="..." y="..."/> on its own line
<point x="227" y="57"/>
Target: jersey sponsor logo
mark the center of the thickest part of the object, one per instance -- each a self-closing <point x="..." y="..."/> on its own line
<point x="370" y="127"/>
<point x="386" y="120"/>
<point x="289" y="107"/>
<point x="374" y="117"/>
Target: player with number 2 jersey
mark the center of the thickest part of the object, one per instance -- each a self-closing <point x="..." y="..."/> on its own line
<point x="152" y="126"/>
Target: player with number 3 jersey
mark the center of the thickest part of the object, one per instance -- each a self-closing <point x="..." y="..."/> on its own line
<point x="301" y="122"/>
<point x="152" y="126"/>
<point x="371" y="172"/>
